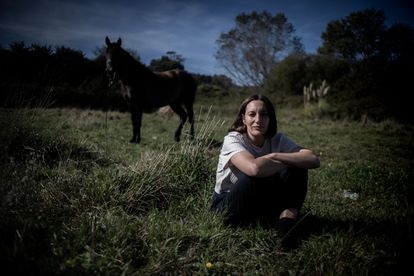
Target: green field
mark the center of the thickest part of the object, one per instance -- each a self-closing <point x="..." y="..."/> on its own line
<point x="78" y="198"/>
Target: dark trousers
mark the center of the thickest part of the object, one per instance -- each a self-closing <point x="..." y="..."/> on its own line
<point x="262" y="199"/>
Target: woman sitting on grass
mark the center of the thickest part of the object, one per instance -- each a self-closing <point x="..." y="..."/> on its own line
<point x="261" y="174"/>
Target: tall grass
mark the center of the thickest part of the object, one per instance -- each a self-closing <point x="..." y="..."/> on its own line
<point x="77" y="198"/>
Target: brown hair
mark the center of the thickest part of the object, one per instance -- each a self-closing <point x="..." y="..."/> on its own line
<point x="238" y="123"/>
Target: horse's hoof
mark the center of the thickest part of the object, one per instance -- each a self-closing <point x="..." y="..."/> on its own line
<point x="135" y="141"/>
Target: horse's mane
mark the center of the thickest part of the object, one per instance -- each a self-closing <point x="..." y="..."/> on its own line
<point x="132" y="63"/>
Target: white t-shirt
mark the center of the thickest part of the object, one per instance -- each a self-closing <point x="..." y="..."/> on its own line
<point x="234" y="142"/>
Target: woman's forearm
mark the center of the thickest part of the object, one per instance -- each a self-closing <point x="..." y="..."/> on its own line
<point x="257" y="167"/>
<point x="304" y="159"/>
<point x="267" y="166"/>
<point x="272" y="163"/>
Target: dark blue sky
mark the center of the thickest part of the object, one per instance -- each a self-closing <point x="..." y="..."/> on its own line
<point x="153" y="27"/>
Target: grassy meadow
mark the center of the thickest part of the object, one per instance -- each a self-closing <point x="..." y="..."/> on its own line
<point x="78" y="199"/>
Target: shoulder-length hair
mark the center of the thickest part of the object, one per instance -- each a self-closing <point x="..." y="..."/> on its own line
<point x="238" y="124"/>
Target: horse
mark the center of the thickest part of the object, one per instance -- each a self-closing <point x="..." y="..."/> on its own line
<point x="146" y="90"/>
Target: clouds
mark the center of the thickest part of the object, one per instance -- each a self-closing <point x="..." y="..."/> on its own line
<point x="150" y="27"/>
<point x="188" y="29"/>
<point x="153" y="27"/>
<point x="50" y="22"/>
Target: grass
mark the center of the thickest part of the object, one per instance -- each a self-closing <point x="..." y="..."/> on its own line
<point x="77" y="198"/>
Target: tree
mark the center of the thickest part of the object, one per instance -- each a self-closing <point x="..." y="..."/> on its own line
<point x="356" y="37"/>
<point x="296" y="71"/>
<point x="72" y="65"/>
<point x="167" y="62"/>
<point x="397" y="44"/>
<point x="381" y="65"/>
<point x="249" y="51"/>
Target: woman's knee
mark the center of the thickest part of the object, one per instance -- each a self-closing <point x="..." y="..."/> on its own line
<point x="298" y="174"/>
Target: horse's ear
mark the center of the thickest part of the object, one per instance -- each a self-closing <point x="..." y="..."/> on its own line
<point x="107" y="41"/>
<point x="119" y="42"/>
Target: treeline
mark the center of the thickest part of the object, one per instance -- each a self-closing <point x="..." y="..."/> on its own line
<point x="363" y="70"/>
<point x="366" y="79"/>
<point x="64" y="77"/>
<point x="61" y="76"/>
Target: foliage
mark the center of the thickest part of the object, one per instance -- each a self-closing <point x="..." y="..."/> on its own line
<point x="29" y="74"/>
<point x="167" y="62"/>
<point x="296" y="71"/>
<point x="218" y="80"/>
<point x="358" y="45"/>
<point x="378" y="53"/>
<point x="314" y="99"/>
<point x="213" y="86"/>
<point x="396" y="43"/>
<point x="65" y="75"/>
<point x="356" y="37"/>
<point x="288" y="77"/>
<point x="250" y="50"/>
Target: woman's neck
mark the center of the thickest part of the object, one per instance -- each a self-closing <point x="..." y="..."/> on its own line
<point x="256" y="141"/>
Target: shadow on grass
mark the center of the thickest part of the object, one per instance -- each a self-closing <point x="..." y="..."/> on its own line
<point x="395" y="239"/>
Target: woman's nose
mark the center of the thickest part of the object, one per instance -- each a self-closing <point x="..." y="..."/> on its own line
<point x="259" y="117"/>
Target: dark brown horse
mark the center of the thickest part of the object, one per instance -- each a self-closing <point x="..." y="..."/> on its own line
<point x="147" y="90"/>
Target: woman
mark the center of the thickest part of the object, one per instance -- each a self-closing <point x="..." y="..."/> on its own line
<point x="261" y="174"/>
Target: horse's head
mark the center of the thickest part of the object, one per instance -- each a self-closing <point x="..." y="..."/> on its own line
<point x="112" y="52"/>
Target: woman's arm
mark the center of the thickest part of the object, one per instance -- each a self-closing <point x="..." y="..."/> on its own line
<point x="304" y="159"/>
<point x="272" y="163"/>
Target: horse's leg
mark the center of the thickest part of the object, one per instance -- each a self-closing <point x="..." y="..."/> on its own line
<point x="136" y="118"/>
<point x="188" y="95"/>
<point x="183" y="117"/>
<point x="190" y="113"/>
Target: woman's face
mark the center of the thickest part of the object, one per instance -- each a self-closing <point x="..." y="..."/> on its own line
<point x="256" y="120"/>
